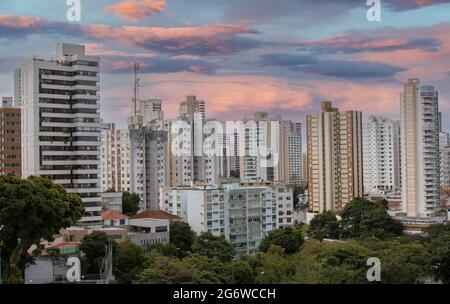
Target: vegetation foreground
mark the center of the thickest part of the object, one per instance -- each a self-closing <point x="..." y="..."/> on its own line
<point x="333" y="249"/>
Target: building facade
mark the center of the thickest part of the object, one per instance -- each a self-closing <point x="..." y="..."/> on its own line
<point x="61" y="124"/>
<point x="420" y="150"/>
<point x="335" y="174"/>
<point x="242" y="213"/>
<point x="152" y="113"/>
<point x="381" y="154"/>
<point x="10" y="136"/>
<point x="115" y="159"/>
<point x="263" y="149"/>
<point x="293" y="131"/>
<point x="444" y="152"/>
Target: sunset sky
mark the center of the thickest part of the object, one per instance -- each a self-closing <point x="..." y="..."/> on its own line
<point x="241" y="56"/>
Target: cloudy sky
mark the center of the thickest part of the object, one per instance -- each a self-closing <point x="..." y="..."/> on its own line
<point x="280" y="56"/>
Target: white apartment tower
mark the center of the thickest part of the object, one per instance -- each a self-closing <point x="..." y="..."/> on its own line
<point x="61" y="124"/>
<point x="444" y="151"/>
<point x="186" y="132"/>
<point x="381" y="154"/>
<point x="263" y="149"/>
<point x="335" y="174"/>
<point x="420" y="150"/>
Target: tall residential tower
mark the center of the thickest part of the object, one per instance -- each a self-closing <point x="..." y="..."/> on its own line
<point x="420" y="150"/>
<point x="335" y="174"/>
<point x="381" y="154"/>
<point x="61" y="124"/>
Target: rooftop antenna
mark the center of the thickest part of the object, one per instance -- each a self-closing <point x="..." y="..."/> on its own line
<point x="136" y="86"/>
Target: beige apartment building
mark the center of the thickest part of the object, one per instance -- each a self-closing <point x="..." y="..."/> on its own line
<point x="10" y="148"/>
<point x="334" y="158"/>
<point x="420" y="152"/>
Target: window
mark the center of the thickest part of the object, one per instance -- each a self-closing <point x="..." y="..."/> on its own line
<point x="161" y="229"/>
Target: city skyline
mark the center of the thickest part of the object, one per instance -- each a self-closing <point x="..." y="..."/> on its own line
<point x="231" y="57"/>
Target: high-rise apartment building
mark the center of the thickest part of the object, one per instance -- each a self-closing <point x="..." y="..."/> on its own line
<point x="420" y="150"/>
<point x="381" y="154"/>
<point x="152" y="113"/>
<point x="304" y="178"/>
<point x="335" y="174"/>
<point x="149" y="171"/>
<point x="444" y="152"/>
<point x="188" y="133"/>
<point x="293" y="153"/>
<point x="10" y="149"/>
<point x="115" y="159"/>
<point x="192" y="106"/>
<point x="61" y="124"/>
<point x="17" y="88"/>
<point x="242" y="213"/>
<point x="263" y="149"/>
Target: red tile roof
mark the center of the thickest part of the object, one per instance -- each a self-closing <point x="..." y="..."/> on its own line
<point x="156" y="214"/>
<point x="113" y="215"/>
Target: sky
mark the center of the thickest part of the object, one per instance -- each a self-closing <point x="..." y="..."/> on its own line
<point x="242" y="56"/>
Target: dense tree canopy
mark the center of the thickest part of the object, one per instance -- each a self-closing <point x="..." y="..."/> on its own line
<point x="327" y="263"/>
<point x="213" y="247"/>
<point x="94" y="246"/>
<point x="32" y="210"/>
<point x="289" y="239"/>
<point x="130" y="203"/>
<point x="438" y="249"/>
<point x="362" y="218"/>
<point x="324" y="226"/>
<point x="129" y="260"/>
<point x="182" y="236"/>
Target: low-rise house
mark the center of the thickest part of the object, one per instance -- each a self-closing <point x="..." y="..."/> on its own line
<point x="114" y="219"/>
<point x="150" y="227"/>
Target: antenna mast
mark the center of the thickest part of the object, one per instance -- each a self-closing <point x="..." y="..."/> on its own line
<point x="136" y="86"/>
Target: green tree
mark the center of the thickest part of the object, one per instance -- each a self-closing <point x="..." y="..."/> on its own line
<point x="439" y="256"/>
<point x="164" y="249"/>
<point x="130" y="203"/>
<point x="331" y="263"/>
<point x="129" y="261"/>
<point x="241" y="272"/>
<point x="297" y="190"/>
<point x="209" y="270"/>
<point x="32" y="210"/>
<point x="403" y="263"/>
<point x="272" y="267"/>
<point x="324" y="226"/>
<point x="182" y="236"/>
<point x="289" y="239"/>
<point x="362" y="218"/>
<point x="167" y="270"/>
<point x="214" y="247"/>
<point x="94" y="246"/>
<point x="378" y="223"/>
<point x="435" y="231"/>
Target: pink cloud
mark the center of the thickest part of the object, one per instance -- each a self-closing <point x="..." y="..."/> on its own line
<point x="21" y="22"/>
<point x="140" y="34"/>
<point x="210" y="39"/>
<point x="136" y="10"/>
<point x="233" y="97"/>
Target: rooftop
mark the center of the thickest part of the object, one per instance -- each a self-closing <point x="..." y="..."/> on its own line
<point x="156" y="214"/>
<point x="113" y="215"/>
